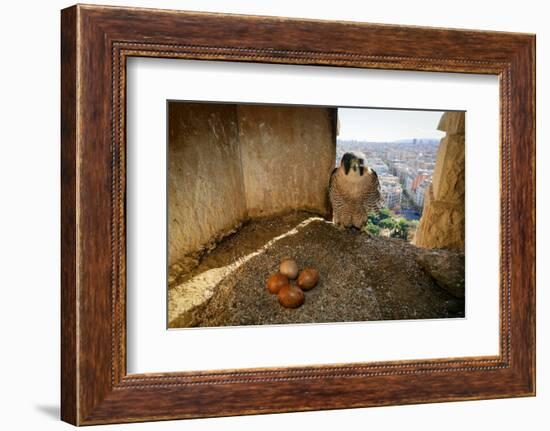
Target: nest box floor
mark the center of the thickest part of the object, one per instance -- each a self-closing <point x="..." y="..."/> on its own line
<point x="362" y="278"/>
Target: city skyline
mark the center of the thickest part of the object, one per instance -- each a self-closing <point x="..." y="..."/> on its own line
<point x="387" y="125"/>
<point x="404" y="170"/>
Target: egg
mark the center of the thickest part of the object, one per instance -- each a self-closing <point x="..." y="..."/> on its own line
<point x="276" y="281"/>
<point x="308" y="278"/>
<point x="291" y="296"/>
<point x="289" y="267"/>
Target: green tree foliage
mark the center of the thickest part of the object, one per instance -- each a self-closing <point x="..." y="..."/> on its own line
<point x="398" y="227"/>
<point x="372" y="228"/>
<point x="401" y="229"/>
<point x="384" y="214"/>
<point x="387" y="223"/>
<point x="372" y="218"/>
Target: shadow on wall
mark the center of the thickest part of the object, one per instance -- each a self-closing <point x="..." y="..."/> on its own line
<point x="229" y="163"/>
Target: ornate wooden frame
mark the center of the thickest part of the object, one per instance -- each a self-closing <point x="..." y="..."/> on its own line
<point x="95" y="43"/>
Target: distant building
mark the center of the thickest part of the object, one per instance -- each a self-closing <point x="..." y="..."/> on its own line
<point x="377" y="165"/>
<point x="420" y="192"/>
<point x="391" y="190"/>
<point x="421" y="176"/>
<point x="408" y="183"/>
<point x="416" y="183"/>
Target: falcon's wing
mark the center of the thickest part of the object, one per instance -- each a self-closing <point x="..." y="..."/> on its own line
<point x="375" y="190"/>
<point x="331" y="179"/>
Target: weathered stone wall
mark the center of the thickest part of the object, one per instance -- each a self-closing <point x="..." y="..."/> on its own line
<point x="288" y="154"/>
<point x="228" y="163"/>
<point x="443" y="218"/>
<point x="205" y="189"/>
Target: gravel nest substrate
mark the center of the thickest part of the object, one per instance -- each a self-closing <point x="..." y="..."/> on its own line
<point x="362" y="278"/>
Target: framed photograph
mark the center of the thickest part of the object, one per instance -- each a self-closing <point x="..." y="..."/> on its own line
<point x="264" y="215"/>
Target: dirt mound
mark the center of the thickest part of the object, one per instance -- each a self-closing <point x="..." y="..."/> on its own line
<point x="361" y="278"/>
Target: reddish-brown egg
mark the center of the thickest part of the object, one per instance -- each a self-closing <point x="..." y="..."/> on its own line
<point x="308" y="278"/>
<point x="291" y="296"/>
<point x="289" y="267"/>
<point x="276" y="281"/>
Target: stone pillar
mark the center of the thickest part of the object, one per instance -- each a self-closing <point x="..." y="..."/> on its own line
<point x="443" y="218"/>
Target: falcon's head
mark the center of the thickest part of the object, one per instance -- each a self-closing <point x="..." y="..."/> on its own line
<point x="353" y="163"/>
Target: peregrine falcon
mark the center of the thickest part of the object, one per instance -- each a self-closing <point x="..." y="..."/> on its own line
<point x="354" y="191"/>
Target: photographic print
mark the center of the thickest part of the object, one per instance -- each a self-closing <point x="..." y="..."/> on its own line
<point x="281" y="214"/>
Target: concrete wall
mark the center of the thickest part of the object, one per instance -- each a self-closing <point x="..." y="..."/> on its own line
<point x="443" y="219"/>
<point x="228" y="163"/>
<point x="288" y="154"/>
<point x="205" y="188"/>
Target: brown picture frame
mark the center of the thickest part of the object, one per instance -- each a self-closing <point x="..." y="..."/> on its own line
<point x="95" y="43"/>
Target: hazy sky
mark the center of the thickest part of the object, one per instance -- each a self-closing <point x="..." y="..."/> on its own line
<point x="388" y="124"/>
